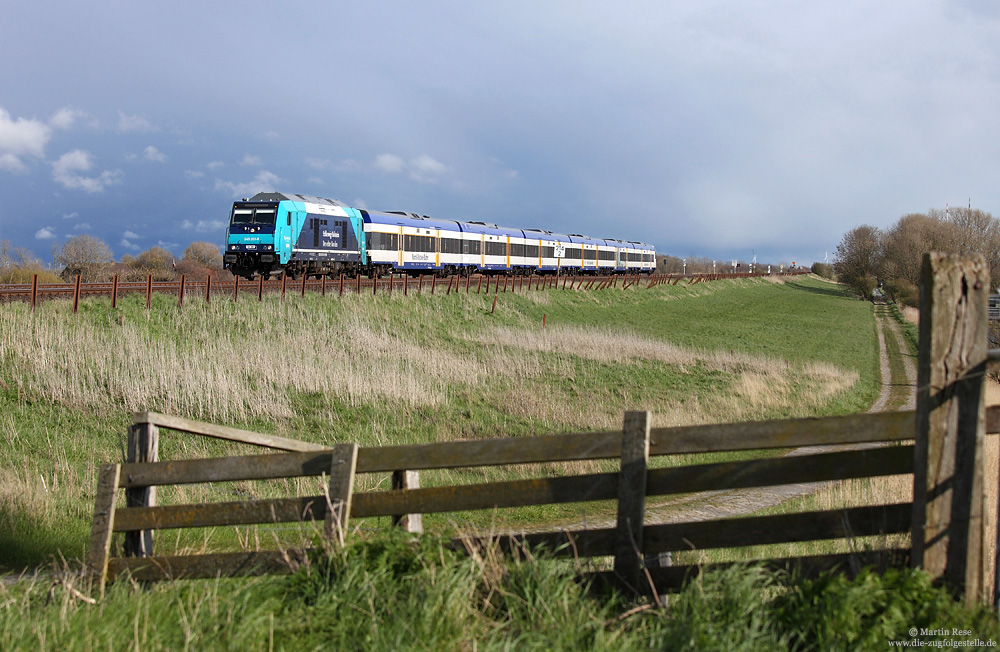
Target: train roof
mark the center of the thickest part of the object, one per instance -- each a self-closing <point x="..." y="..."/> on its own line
<point x="409" y="219"/>
<point x="280" y="196"/>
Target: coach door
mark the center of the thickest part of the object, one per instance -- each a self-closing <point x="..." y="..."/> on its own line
<point x="400" y="245"/>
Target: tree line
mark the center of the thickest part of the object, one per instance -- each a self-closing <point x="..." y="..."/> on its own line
<point x="94" y="261"/>
<point x="889" y="259"/>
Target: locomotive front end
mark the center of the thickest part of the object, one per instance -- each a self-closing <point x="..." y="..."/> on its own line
<point x="250" y="239"/>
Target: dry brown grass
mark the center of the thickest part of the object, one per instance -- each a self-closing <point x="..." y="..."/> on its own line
<point x="753" y="386"/>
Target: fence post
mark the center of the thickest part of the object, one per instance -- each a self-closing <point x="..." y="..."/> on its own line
<point x="180" y="293"/>
<point x="143" y="446"/>
<point x="947" y="526"/>
<point x="260" y="288"/>
<point x="34" y="292"/>
<point x="402" y="481"/>
<point x="76" y="294"/>
<point x="344" y="462"/>
<point x="236" y="289"/>
<point x="104" y="520"/>
<point x="149" y="290"/>
<point x="208" y="289"/>
<point x="632" y="498"/>
<point x="304" y="277"/>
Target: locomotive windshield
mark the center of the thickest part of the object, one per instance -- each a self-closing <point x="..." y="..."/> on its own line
<point x="254" y="215"/>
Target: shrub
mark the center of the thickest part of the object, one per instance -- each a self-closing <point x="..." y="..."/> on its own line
<point x="822" y="269"/>
<point x="902" y="291"/>
<point x="24" y="275"/>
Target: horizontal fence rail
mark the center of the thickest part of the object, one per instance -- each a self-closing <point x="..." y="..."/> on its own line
<point x="304" y="459"/>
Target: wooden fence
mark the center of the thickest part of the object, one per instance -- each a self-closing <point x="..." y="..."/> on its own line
<point x="400" y="283"/>
<point x="940" y="444"/>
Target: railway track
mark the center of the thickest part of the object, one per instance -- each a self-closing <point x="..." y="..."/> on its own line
<point x="235" y="288"/>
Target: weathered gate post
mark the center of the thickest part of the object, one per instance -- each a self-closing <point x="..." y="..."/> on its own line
<point x="143" y="446"/>
<point x="948" y="527"/>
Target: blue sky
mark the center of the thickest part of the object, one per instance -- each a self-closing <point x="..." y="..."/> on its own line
<point x="710" y="128"/>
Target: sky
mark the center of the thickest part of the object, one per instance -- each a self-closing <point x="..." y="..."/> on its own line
<point x="717" y="129"/>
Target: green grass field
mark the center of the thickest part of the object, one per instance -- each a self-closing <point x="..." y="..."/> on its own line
<point x="379" y="371"/>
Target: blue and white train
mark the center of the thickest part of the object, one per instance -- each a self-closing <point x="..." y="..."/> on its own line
<point x="273" y="233"/>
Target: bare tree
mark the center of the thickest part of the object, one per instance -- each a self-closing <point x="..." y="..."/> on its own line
<point x="858" y="259"/>
<point x="84" y="255"/>
<point x="904" y="245"/>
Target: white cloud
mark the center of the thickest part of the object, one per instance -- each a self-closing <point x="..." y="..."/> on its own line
<point x="129" y="245"/>
<point x="71" y="216"/>
<point x="19" y="138"/>
<point x="153" y="154"/>
<point x="66" y="171"/>
<point x="360" y="203"/>
<point x="270" y="135"/>
<point x="45" y="233"/>
<point x="137" y="123"/>
<point x="11" y="163"/>
<point x="193" y="174"/>
<point x="250" y="160"/>
<point x="204" y="226"/>
<point x="388" y="163"/>
<point x="318" y="163"/>
<point x="264" y="182"/>
<point x="131" y="235"/>
<point x="424" y="168"/>
<point x="215" y="165"/>
<point x="65" y="117"/>
<point x="82" y="226"/>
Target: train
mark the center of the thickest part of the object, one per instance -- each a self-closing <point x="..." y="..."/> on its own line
<point x="273" y="234"/>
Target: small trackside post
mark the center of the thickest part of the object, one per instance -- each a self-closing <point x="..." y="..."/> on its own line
<point x="76" y="294"/>
<point x="34" y="292"/>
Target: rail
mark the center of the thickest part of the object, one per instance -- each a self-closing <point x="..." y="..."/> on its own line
<point x="399" y="283"/>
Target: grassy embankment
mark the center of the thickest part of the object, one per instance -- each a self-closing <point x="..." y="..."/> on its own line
<point x="395" y="370"/>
